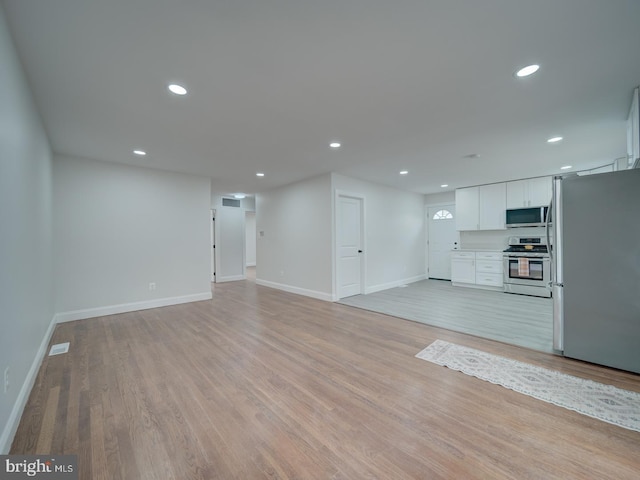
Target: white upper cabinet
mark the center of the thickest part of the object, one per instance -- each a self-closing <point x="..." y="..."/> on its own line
<point x="517" y="194"/>
<point x="534" y="192"/>
<point x="540" y="191"/>
<point x="468" y="208"/>
<point x="481" y="208"/>
<point x="493" y="203"/>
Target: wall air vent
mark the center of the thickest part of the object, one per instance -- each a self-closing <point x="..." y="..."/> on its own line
<point x="230" y="202"/>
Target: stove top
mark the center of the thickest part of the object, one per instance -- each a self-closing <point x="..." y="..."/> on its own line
<point x="528" y="246"/>
<point x="524" y="249"/>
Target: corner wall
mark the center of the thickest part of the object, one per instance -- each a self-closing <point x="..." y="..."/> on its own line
<point x="294" y="239"/>
<point x="26" y="291"/>
<point x="119" y="228"/>
<point x="394" y="233"/>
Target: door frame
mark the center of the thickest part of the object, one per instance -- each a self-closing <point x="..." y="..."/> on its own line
<point x="426" y="231"/>
<point x="363" y="240"/>
<point x="212" y="237"/>
<point x="255" y="238"/>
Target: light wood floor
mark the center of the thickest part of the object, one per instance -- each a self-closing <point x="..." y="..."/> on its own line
<point x="521" y="320"/>
<point x="259" y="383"/>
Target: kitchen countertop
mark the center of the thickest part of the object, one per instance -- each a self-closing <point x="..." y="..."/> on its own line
<point x="477" y="250"/>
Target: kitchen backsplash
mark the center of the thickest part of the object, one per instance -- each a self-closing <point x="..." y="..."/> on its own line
<point x="495" y="239"/>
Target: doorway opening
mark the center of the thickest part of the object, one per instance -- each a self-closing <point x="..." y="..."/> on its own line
<point x="442" y="238"/>
<point x="250" y="244"/>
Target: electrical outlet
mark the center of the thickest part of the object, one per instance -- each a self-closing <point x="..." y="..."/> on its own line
<point x="152" y="286"/>
<point x="6" y="380"/>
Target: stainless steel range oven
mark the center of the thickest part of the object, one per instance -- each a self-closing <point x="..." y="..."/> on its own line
<point x="526" y="267"/>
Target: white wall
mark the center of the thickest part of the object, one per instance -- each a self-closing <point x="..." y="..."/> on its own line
<point x="440" y="198"/>
<point x="250" y="238"/>
<point x="295" y="252"/>
<point x="394" y="233"/>
<point x="26" y="291"/>
<point x="118" y="228"/>
<point x="249" y="204"/>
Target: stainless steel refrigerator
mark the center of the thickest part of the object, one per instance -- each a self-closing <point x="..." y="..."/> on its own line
<point x="595" y="268"/>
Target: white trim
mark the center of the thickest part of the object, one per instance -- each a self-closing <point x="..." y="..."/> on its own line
<point x="334" y="259"/>
<point x="212" y="242"/>
<point x="439" y="204"/>
<point x="6" y="439"/>
<point x="216" y="241"/>
<point x="480" y="287"/>
<point x="244" y="245"/>
<point x="129" y="307"/>
<point x="231" y="278"/>
<point x="327" y="297"/>
<point x="397" y="283"/>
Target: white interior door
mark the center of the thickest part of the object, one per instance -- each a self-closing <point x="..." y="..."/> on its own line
<point x="349" y="239"/>
<point x="442" y="239"/>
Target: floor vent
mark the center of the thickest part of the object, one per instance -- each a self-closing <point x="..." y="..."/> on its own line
<point x="59" y="348"/>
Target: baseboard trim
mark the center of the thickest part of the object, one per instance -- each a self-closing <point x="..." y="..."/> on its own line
<point x="479" y="287"/>
<point x="11" y="427"/>
<point x="129" y="307"/>
<point x="232" y="278"/>
<point x="327" y="297"/>
<point x="397" y="283"/>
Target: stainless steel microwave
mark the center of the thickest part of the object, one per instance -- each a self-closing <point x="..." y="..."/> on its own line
<point x="526" y="217"/>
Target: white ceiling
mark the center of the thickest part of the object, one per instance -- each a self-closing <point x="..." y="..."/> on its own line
<point x="403" y="84"/>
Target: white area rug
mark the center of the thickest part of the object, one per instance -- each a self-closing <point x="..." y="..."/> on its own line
<point x="604" y="402"/>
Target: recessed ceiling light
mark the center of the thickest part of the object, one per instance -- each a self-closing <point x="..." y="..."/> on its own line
<point x="142" y="153"/>
<point x="335" y="145"/>
<point x="528" y="70"/>
<point x="259" y="174"/>
<point x="404" y="172"/>
<point x="239" y="196"/>
<point x="444" y="185"/>
<point x="554" y="140"/>
<point x="177" y="89"/>
<point x="566" y="167"/>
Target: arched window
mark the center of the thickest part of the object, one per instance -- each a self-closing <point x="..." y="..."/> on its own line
<point x="442" y="215"/>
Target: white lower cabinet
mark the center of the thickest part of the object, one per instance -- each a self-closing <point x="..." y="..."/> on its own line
<point x="477" y="269"/>
<point x="463" y="267"/>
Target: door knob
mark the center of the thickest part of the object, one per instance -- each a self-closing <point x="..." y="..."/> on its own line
<point x="359" y="251"/>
